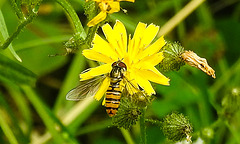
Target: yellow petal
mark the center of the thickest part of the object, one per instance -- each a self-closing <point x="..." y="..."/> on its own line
<point x="97" y="56"/>
<point x="110" y="34"/>
<point x="121" y="36"/>
<point x="136" y="40"/>
<point x="100" y="17"/>
<point x="155" y="76"/>
<point x="102" y="89"/>
<point x="154" y="48"/>
<point x="102" y="69"/>
<point x="149" y="34"/>
<point x="102" y="46"/>
<point x="143" y="82"/>
<point x="103" y="102"/>
<point x="127" y="0"/>
<point x="114" y="7"/>
<point x="149" y="61"/>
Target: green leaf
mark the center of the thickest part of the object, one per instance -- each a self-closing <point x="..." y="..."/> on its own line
<point x="10" y="124"/>
<point x="4" y="35"/>
<point x="14" y="72"/>
<point x="59" y="132"/>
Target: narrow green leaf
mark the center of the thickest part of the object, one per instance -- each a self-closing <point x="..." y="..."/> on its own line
<point x="23" y="106"/>
<point x="14" y="72"/>
<point x="10" y="123"/>
<point x="7" y="130"/>
<point x="4" y="35"/>
<point x="59" y="133"/>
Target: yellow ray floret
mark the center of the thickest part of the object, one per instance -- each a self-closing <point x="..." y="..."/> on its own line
<point x="103" y="88"/>
<point x="102" y="69"/>
<point x="106" y="7"/>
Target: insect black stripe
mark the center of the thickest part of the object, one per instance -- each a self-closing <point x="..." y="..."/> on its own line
<point x="112" y="99"/>
<point x="111" y="108"/>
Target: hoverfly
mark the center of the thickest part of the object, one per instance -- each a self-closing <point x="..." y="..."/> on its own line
<point x="114" y="92"/>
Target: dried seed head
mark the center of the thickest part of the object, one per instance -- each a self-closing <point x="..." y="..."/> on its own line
<point x="194" y="60"/>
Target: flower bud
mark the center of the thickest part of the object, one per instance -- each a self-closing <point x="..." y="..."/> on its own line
<point x="172" y="60"/>
<point x="231" y="102"/>
<point x="175" y="127"/>
<point x="127" y="115"/>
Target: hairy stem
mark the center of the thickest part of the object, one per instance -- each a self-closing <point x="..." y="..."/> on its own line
<point x="127" y="136"/>
<point x="143" y="139"/>
<point x="19" y="28"/>
<point x="17" y="8"/>
<point x="78" y="28"/>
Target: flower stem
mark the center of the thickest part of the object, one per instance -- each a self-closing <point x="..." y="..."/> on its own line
<point x="17" y="8"/>
<point x="127" y="136"/>
<point x="19" y="28"/>
<point x="233" y="131"/>
<point x="180" y="16"/>
<point x="78" y="28"/>
<point x="143" y="139"/>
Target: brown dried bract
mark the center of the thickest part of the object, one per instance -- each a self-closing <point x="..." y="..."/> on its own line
<point x="194" y="60"/>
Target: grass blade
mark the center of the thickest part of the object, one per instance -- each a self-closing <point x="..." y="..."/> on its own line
<point x="14" y="72"/>
<point x="4" y="35"/>
<point x="55" y="127"/>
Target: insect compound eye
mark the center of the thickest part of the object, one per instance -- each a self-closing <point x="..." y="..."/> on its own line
<point x="114" y="64"/>
<point x="122" y="65"/>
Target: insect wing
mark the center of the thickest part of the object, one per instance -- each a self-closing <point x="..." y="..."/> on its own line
<point x="131" y="88"/>
<point x="85" y="89"/>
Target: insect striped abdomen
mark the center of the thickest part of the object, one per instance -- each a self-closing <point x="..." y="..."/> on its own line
<point x="112" y="100"/>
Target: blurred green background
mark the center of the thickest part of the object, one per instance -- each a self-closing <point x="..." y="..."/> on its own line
<point x="33" y="108"/>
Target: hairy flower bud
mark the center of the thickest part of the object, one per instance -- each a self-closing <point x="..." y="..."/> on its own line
<point x="172" y="52"/>
<point x="127" y="115"/>
<point x="175" y="127"/>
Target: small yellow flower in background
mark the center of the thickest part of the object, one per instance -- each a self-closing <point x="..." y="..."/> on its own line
<point x="139" y="55"/>
<point x="106" y="7"/>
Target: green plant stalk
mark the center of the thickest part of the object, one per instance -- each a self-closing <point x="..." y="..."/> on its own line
<point x="11" y="118"/>
<point x="19" y="28"/>
<point x="57" y="130"/>
<point x="180" y="16"/>
<point x="127" y="136"/>
<point x="224" y="79"/>
<point x="233" y="131"/>
<point x="23" y="106"/>
<point x="4" y="35"/>
<point x="154" y="122"/>
<point x="75" y="68"/>
<point x="71" y="80"/>
<point x="17" y="10"/>
<point x="7" y="130"/>
<point x="91" y="34"/>
<point x="180" y="28"/>
<point x="80" y="111"/>
<point x="41" y="42"/>
<point x="143" y="139"/>
<point x="78" y="28"/>
<point x="94" y="127"/>
<point x="206" y="19"/>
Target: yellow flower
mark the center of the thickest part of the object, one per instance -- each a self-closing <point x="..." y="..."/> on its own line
<point x="106" y="6"/>
<point x="139" y="55"/>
